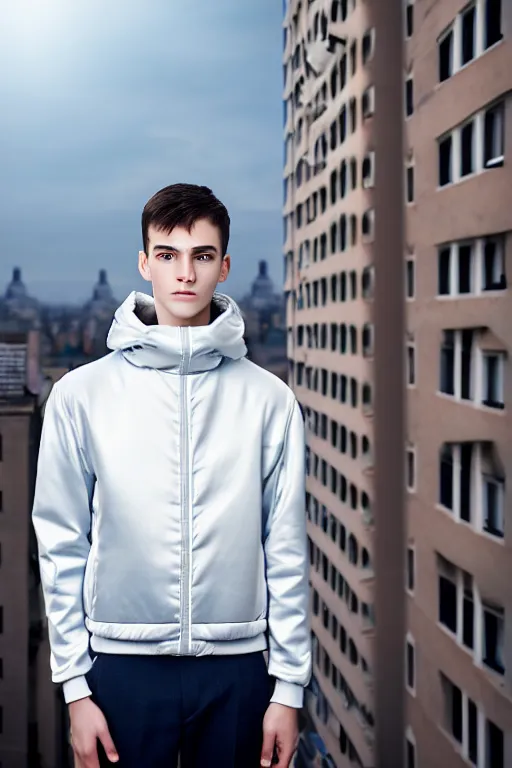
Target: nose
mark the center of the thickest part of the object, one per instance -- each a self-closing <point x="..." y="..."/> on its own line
<point x="186" y="271"/>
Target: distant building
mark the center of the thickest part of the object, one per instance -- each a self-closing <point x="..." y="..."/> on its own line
<point x="71" y="335"/>
<point x="264" y="314"/>
<point x="32" y="713"/>
<point x="18" y="310"/>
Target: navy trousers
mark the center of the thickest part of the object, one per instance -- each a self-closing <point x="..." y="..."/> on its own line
<point x="207" y="709"/>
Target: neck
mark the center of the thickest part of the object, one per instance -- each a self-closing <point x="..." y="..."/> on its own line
<point x="164" y="317"/>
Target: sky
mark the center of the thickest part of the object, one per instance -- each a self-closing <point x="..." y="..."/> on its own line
<point x="102" y="103"/>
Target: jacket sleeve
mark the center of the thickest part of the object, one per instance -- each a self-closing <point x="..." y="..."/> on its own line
<point x="62" y="519"/>
<point x="287" y="567"/>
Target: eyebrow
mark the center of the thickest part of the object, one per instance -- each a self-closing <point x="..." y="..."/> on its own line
<point x="196" y="249"/>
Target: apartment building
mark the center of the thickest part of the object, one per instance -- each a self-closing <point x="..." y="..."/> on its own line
<point x="32" y="724"/>
<point x="458" y="262"/>
<point x="347" y="138"/>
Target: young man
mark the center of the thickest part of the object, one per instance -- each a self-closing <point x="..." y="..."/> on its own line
<point x="169" y="511"/>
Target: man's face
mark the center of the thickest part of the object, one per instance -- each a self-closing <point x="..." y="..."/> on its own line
<point x="184" y="269"/>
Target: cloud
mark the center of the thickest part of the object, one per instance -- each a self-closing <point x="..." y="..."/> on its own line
<point x="107" y="107"/>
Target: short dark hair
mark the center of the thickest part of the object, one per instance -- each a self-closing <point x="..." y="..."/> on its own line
<point x="181" y="205"/>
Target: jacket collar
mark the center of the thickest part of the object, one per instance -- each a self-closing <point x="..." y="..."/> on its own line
<point x="136" y="334"/>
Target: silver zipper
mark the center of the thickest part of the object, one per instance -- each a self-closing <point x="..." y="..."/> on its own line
<point x="186" y="522"/>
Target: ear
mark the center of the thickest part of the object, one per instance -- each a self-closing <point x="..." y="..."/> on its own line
<point x="144" y="268"/>
<point x="224" y="270"/>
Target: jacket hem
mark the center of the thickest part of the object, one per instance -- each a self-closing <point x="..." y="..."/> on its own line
<point x="172" y="648"/>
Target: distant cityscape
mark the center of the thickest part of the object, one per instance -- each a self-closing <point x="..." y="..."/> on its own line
<point x="72" y="334"/>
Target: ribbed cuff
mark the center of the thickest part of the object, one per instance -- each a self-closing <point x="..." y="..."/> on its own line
<point x="289" y="694"/>
<point x="76" y="688"/>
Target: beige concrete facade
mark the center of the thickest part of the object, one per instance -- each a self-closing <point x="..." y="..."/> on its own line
<point x="473" y="722"/>
<point x="456" y="124"/>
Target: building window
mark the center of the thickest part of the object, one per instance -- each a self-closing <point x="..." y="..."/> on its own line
<point x="411" y="469"/>
<point x="493" y="267"/>
<point x="447" y="383"/>
<point x="447" y="595"/>
<point x="471" y="267"/>
<point x="493" y="505"/>
<point x="410" y="665"/>
<point x="457" y="361"/>
<point x="468" y="34"/>
<point x="410" y="749"/>
<point x="411" y="569"/>
<point x="493" y="33"/>
<point x="353" y="115"/>
<point x="467" y="156"/>
<point x="456" y="471"/>
<point x="410" y="183"/>
<point x="494" y="136"/>
<point x="410" y="278"/>
<point x="493" y="384"/>
<point x="495" y="746"/>
<point x="368" y="102"/>
<point x="353" y="57"/>
<point x="445" y="161"/>
<point x="445" y="55"/>
<point x="456" y="602"/>
<point x="409" y="97"/>
<point x="368" y="170"/>
<point x="367" y="224"/>
<point x="411" y="364"/>
<point x="368" y="45"/>
<point x="466" y="723"/>
<point x="470" y="486"/>
<point x="493" y="627"/>
<point x="475" y="624"/>
<point x="473" y="147"/>
<point x="409" y="19"/>
<point x="475" y="29"/>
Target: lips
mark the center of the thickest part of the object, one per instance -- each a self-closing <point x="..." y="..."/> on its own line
<point x="184" y="293"/>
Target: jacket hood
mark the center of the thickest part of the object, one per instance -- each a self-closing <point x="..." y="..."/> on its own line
<point x="136" y="333"/>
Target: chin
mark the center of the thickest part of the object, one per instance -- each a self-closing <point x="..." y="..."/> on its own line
<point x="186" y="310"/>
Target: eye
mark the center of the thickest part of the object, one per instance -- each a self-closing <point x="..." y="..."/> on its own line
<point x="205" y="256"/>
<point x="166" y="256"/>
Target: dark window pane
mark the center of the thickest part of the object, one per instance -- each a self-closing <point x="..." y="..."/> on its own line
<point x="466" y="162"/>
<point x="445" y="57"/>
<point x="444" y="272"/>
<point x="411" y="752"/>
<point x="494" y="139"/>
<point x="493" y="23"/>
<point x="465" y="268"/>
<point x="409" y="97"/>
<point x="448" y="603"/>
<point x="447" y="383"/>
<point x="472" y="732"/>
<point x="409" y="19"/>
<point x="457" y="713"/>
<point x="496" y="747"/>
<point x="493" y="641"/>
<point x="466" y="451"/>
<point x="445" y="161"/>
<point x="467" y="343"/>
<point x="410" y="665"/>
<point x="468" y="612"/>
<point x="446" y="480"/>
<point x="468" y="35"/>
